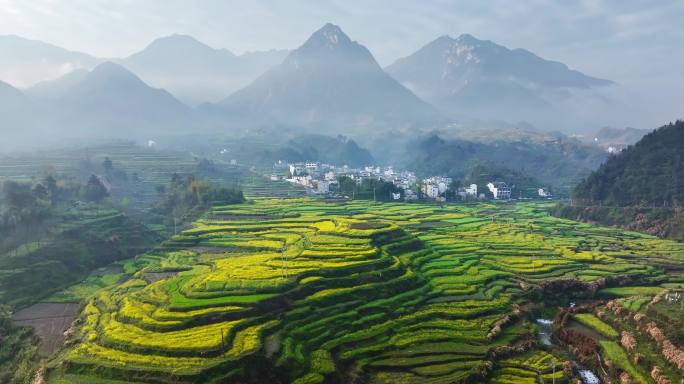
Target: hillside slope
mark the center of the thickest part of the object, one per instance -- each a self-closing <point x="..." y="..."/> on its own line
<point x="650" y="172"/>
<point x="639" y="189"/>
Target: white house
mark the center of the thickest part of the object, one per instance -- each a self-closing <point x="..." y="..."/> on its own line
<point x="500" y="190"/>
<point x="468" y="192"/>
<point x="296" y="170"/>
<point x="431" y="190"/>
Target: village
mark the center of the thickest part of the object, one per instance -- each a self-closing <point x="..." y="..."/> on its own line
<point x="322" y="179"/>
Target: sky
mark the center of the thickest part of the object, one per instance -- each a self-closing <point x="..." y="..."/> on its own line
<point x="638" y="43"/>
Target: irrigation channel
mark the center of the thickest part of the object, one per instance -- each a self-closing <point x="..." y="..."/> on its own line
<point x="546" y="338"/>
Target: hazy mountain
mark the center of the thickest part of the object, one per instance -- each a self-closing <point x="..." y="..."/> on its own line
<point x="24" y="62"/>
<point x="479" y="78"/>
<point x="329" y="81"/>
<point x="110" y="100"/>
<point x="54" y="89"/>
<point x="617" y="139"/>
<point x="196" y="72"/>
<point x="9" y="96"/>
<point x="12" y="105"/>
<point x="19" y="118"/>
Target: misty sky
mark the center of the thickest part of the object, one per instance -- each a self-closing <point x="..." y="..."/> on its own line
<point x="636" y="43"/>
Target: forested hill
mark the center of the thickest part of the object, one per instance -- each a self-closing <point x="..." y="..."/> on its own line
<point x="651" y="172"/>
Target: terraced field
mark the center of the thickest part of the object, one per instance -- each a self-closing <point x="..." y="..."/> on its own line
<point x="151" y="167"/>
<point x="305" y="291"/>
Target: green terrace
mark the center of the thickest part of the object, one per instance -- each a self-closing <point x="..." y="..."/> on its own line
<point x="306" y="291"/>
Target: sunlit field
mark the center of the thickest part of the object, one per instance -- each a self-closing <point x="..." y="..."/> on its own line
<point x="309" y="291"/>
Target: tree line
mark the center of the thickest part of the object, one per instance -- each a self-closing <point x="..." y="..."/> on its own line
<point x="649" y="173"/>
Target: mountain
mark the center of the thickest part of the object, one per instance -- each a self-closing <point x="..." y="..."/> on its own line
<point x="479" y="78"/>
<point x="13" y="107"/>
<point x="196" y="72"/>
<point x="616" y="139"/>
<point x="20" y="118"/>
<point x="25" y="62"/>
<point x="332" y="150"/>
<point x="9" y="96"/>
<point x="329" y="81"/>
<point x="650" y="172"/>
<point x="112" y="100"/>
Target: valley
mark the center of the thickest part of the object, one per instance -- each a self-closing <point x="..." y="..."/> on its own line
<point x="243" y="193"/>
<point x="358" y="291"/>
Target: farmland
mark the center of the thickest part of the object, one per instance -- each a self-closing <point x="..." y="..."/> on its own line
<point x="307" y="291"/>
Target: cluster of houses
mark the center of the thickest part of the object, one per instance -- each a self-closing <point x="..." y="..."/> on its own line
<point x="318" y="178"/>
<point x="435" y="187"/>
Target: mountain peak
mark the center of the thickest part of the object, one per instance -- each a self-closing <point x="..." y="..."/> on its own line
<point x="177" y="41"/>
<point x="329" y="80"/>
<point x="467" y="38"/>
<point x="110" y="69"/>
<point x="330" y="36"/>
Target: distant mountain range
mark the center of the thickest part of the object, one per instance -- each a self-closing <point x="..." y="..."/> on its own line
<point x="195" y="72"/>
<point x="466" y="76"/>
<point x="24" y="62"/>
<point x="107" y="102"/>
<point x="111" y="98"/>
<point x="330" y="84"/>
<point x="330" y="81"/>
<point x="191" y="70"/>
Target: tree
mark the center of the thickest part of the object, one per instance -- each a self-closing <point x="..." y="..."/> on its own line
<point x="17" y="196"/>
<point x="40" y="192"/>
<point x="95" y="190"/>
<point x="52" y="188"/>
<point x="107" y="164"/>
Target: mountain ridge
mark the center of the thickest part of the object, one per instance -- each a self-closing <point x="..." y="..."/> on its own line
<point x="466" y="76"/>
<point x="110" y="98"/>
<point x="332" y="76"/>
<point x="195" y="72"/>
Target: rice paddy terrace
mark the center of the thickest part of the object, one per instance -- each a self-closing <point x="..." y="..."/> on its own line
<point x="152" y="167"/>
<point x="306" y="291"/>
